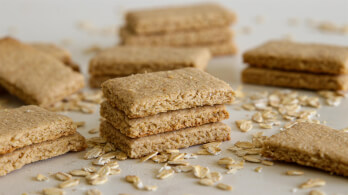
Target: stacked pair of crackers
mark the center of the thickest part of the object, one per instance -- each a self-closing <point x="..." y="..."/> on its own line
<point x="298" y="65"/>
<point x="30" y="133"/>
<point x="201" y="25"/>
<point x="123" y="61"/>
<point x="37" y="74"/>
<point x="153" y="112"/>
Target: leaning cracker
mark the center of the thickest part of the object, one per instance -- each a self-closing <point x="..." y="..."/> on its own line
<point x="311" y="145"/>
<point x="57" y="52"/>
<point x="171" y="19"/>
<point x="149" y="94"/>
<point x="279" y="78"/>
<point x="183" y="138"/>
<point x="28" y="125"/>
<point x="40" y="151"/>
<point x="304" y="57"/>
<point x="127" y="60"/>
<point x="184" y="38"/>
<point x="33" y="76"/>
<point x="163" y="122"/>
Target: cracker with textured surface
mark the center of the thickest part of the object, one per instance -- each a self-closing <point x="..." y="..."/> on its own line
<point x="163" y="122"/>
<point x="152" y="93"/>
<point x="40" y="151"/>
<point x="185" y="38"/>
<point x="279" y="78"/>
<point x="180" y="18"/>
<point x="57" y="52"/>
<point x="183" y="138"/>
<point x="311" y="145"/>
<point x="28" y="125"/>
<point x="33" y="76"/>
<point x="127" y="60"/>
<point x="304" y="57"/>
<point x="221" y="49"/>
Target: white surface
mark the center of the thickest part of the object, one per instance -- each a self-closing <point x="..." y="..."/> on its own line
<point x="40" y="20"/>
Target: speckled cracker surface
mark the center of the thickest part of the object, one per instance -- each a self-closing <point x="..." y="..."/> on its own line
<point x="40" y="151"/>
<point x="127" y="60"/>
<point x="184" y="38"/>
<point x="163" y="122"/>
<point x="57" y="52"/>
<point x="33" y="76"/>
<point x="28" y="125"/>
<point x="304" y="57"/>
<point x="261" y="76"/>
<point x="152" y="93"/>
<point x="311" y="145"/>
<point x="171" y="19"/>
<point x="183" y="138"/>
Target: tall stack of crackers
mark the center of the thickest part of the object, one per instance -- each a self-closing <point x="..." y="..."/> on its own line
<point x="154" y="112"/>
<point x="201" y="25"/>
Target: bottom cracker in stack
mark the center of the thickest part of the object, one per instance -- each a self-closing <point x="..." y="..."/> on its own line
<point x="150" y="113"/>
<point x="30" y="133"/>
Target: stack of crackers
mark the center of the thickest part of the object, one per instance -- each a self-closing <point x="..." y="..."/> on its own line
<point x="31" y="133"/>
<point x="34" y="76"/>
<point x="297" y="65"/>
<point x="127" y="60"/>
<point x="201" y="25"/>
<point x="154" y="112"/>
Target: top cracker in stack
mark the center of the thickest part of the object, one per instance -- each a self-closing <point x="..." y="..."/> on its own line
<point x="201" y="25"/>
<point x="297" y="65"/>
<point x="164" y="110"/>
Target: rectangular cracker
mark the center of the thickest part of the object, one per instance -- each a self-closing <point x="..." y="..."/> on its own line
<point x="183" y="138"/>
<point x="180" y="18"/>
<point x="279" y="78"/>
<point x="28" y="125"/>
<point x="304" y="57"/>
<point x="163" y="122"/>
<point x="152" y="93"/>
<point x="311" y="145"/>
<point x="57" y="52"/>
<point x="33" y="76"/>
<point x="127" y="60"/>
<point x="185" y="38"/>
<point x="40" y="151"/>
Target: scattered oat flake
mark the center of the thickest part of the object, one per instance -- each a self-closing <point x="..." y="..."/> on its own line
<point x="176" y="156"/>
<point x="165" y="174"/>
<point x="206" y="182"/>
<point x="41" y="177"/>
<point x="69" y="183"/>
<point x="316" y="192"/>
<point x="172" y="151"/>
<point x="311" y="183"/>
<point x="178" y="162"/>
<point x="290" y="124"/>
<point x="200" y="171"/>
<point x="121" y="155"/>
<point x="203" y="152"/>
<point x="226" y="161"/>
<point x="244" y="145"/>
<point x="115" y="171"/>
<point x="294" y="173"/>
<point x="258" y="169"/>
<point x="212" y="144"/>
<point x="62" y="176"/>
<point x="248" y="107"/>
<point x="98" y="181"/>
<point x="257" y="117"/>
<point x="244" y="125"/>
<point x="149" y="156"/>
<point x="80" y="124"/>
<point x="267" y="163"/>
<point x="215" y="176"/>
<point x="93" y="153"/>
<point x="53" y="191"/>
<point x="223" y="186"/>
<point x="265" y="126"/>
<point x="93" y="131"/>
<point x="132" y="179"/>
<point x="151" y="187"/>
<point x="214" y="150"/>
<point x="79" y="173"/>
<point x="252" y="159"/>
<point x="94" y="192"/>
